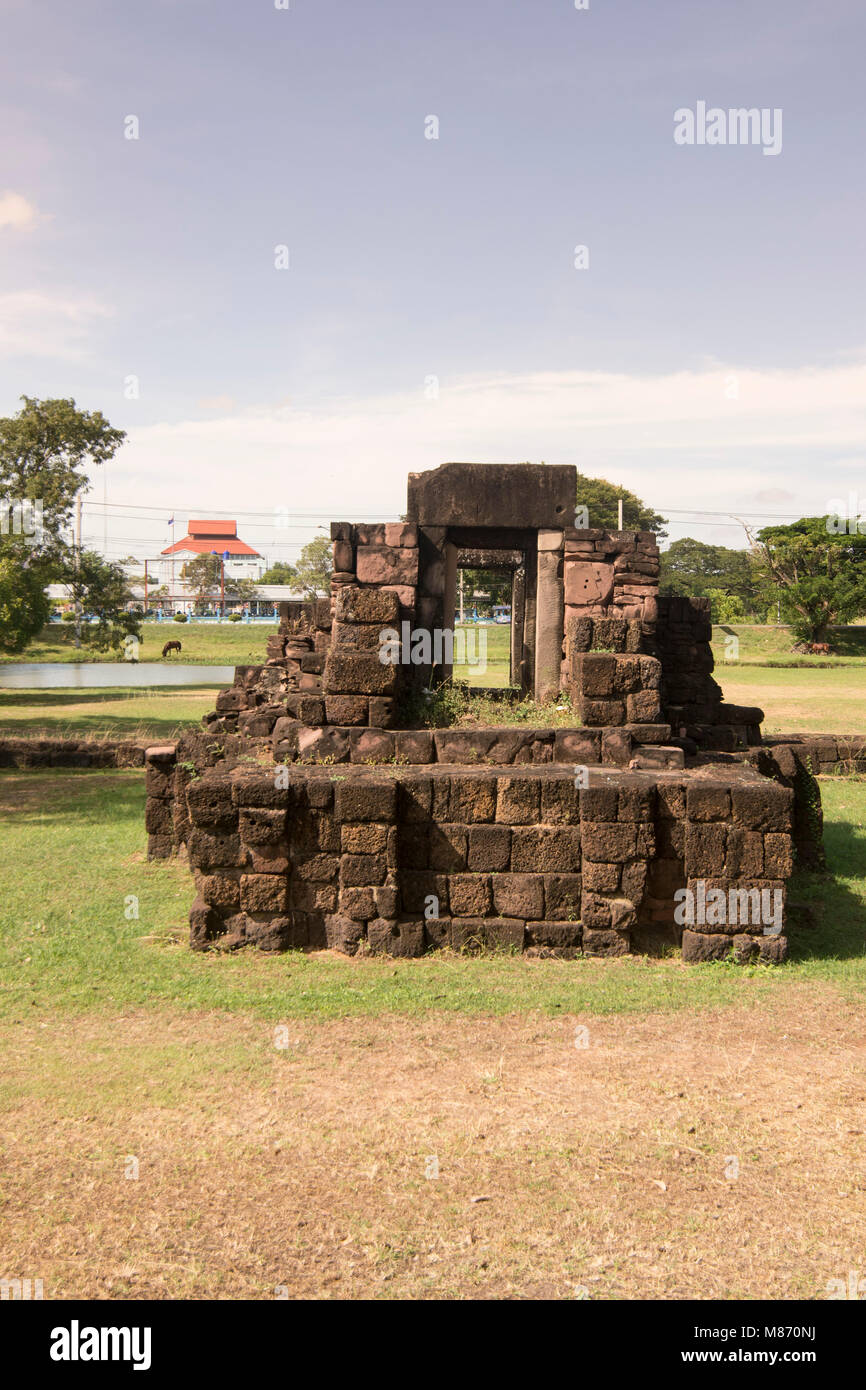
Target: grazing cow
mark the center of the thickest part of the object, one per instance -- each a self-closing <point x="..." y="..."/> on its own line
<point x="819" y="648"/>
<point x="171" y="647"/>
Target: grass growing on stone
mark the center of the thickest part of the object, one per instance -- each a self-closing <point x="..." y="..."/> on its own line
<point x="75" y="867"/>
<point x="107" y="712"/>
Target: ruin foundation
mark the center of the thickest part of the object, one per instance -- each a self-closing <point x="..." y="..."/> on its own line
<point x="315" y="813"/>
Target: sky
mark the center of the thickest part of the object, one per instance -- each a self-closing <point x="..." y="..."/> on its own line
<point x="289" y="294"/>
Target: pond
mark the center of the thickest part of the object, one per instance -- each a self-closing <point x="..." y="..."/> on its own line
<point x="79" y="675"/>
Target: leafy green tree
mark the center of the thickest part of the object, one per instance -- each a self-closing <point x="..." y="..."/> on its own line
<point x="244" y="589"/>
<point x="279" y="573"/>
<point x="24" y="605"/>
<point x="725" y="608"/>
<point x="601" y="500"/>
<point x="314" y="568"/>
<point x="820" y="574"/>
<point x="694" y="568"/>
<point x="496" y="583"/>
<point x="100" y="590"/>
<point x="203" y="574"/>
<point x="44" y="452"/>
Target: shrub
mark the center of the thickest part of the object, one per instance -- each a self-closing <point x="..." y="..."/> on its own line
<point x="180" y="617"/>
<point x="234" y="617"/>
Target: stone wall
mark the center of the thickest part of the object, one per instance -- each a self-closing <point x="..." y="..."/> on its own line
<point x="417" y="859"/>
<point x="70" y="752"/>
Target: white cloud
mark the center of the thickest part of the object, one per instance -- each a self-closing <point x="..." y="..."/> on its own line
<point x="41" y="325"/>
<point x="677" y="440"/>
<point x="16" y="211"/>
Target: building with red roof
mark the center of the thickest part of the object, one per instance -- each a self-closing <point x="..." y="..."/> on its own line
<point x="204" y="536"/>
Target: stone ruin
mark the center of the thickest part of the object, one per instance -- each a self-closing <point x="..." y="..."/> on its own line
<point x="318" y="811"/>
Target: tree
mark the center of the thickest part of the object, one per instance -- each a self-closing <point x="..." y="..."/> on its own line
<point x="725" y="608"/>
<point x="601" y="500"/>
<point x="496" y="583"/>
<point x="693" y="568"/>
<point x="24" y="605"/>
<point x="280" y="573"/>
<point x="100" y="590"/>
<point x="203" y="574"/>
<point x="244" y="589"/>
<point x="44" y="450"/>
<point x="820" y="573"/>
<point x="314" y="567"/>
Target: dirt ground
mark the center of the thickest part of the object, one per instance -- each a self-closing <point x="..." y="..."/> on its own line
<point x="675" y="1156"/>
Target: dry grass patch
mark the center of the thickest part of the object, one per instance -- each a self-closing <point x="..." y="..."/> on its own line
<point x="561" y="1168"/>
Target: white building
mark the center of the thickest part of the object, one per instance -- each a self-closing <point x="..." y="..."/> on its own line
<point x="203" y="537"/>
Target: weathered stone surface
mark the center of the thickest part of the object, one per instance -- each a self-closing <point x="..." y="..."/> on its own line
<point x="366" y="606"/>
<point x="403" y="937"/>
<point x="473" y="799"/>
<point x="469" y="894"/>
<point x="518" y="800"/>
<point x="372" y="746"/>
<point x="347" y="710"/>
<point x="704" y="946"/>
<point x="352" y="673"/>
<point x="608" y="843"/>
<point x="518" y="895"/>
<point x="344" y="934"/>
<point x="562" y="897"/>
<point x="414" y="745"/>
<point x="545" y="847"/>
<point x="448" y="848"/>
<point x="486" y="934"/>
<point x="259" y="826"/>
<point x="604" y="941"/>
<point x="382" y="564"/>
<point x="358" y="637"/>
<point x="363" y="839"/>
<point x="366" y="799"/>
<point x="263" y="893"/>
<point x="489" y="848"/>
<point x="557" y="936"/>
<point x="208" y="851"/>
<point x="494" y="494"/>
<point x="221" y="891"/>
<point x="588" y="584"/>
<point x="383" y="712"/>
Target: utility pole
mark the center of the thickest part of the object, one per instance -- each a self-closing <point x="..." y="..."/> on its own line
<point x="619" y="514"/>
<point x="77" y="568"/>
<point x="145" y="588"/>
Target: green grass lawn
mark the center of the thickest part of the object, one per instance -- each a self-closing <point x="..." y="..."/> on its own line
<point x="799" y="701"/>
<point x="757" y="645"/>
<point x="206" y="644"/>
<point x="488" y="649"/>
<point x="75" y="868"/>
<point x="153" y="713"/>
